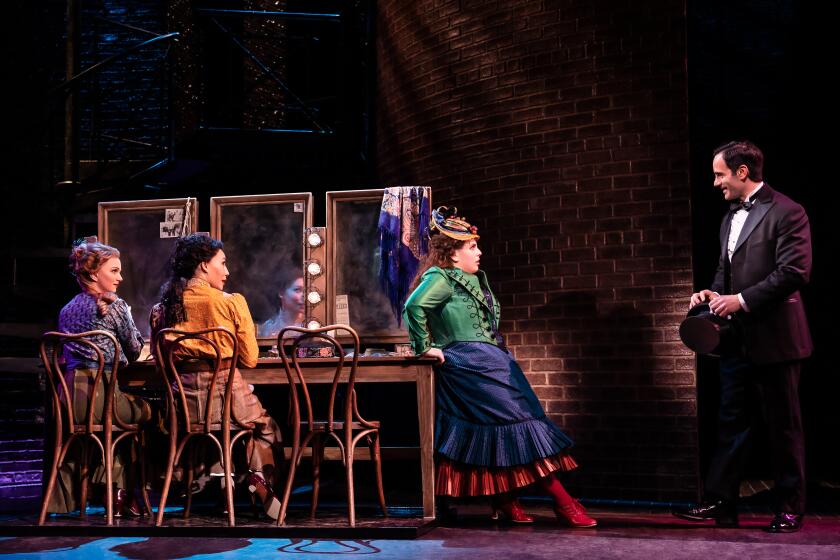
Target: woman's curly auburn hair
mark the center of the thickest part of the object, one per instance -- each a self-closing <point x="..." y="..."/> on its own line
<point x="441" y="249"/>
<point x="86" y="258"/>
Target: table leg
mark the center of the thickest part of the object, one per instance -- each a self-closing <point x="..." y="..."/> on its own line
<point x="426" y="417"/>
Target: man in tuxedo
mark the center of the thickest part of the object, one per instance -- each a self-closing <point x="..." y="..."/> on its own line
<point x="765" y="258"/>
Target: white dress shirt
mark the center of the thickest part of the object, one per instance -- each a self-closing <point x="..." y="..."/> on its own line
<point x="735" y="228"/>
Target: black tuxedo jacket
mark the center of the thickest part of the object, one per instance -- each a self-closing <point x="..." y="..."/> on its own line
<point x="771" y="261"/>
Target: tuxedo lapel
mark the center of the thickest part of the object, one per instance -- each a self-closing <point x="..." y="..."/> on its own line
<point x="759" y="210"/>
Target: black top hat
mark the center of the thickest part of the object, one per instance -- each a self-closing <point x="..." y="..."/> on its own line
<point x="706" y="333"/>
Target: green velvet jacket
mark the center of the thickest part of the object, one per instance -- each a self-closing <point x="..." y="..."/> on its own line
<point x="449" y="306"/>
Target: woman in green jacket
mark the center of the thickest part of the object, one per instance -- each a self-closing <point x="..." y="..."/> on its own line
<point x="492" y="436"/>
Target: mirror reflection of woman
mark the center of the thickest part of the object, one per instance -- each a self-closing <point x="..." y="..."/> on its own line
<point x="492" y="436"/>
<point x="98" y="271"/>
<point x="193" y="299"/>
<point x="291" y="302"/>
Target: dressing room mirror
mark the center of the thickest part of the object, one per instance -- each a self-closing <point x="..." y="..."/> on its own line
<point x="263" y="237"/>
<point x="145" y="231"/>
<point x="354" y="292"/>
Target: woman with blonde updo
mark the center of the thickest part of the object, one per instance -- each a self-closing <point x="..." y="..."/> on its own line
<point x="98" y="271"/>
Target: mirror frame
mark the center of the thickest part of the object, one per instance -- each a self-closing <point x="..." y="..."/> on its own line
<point x="387" y="336"/>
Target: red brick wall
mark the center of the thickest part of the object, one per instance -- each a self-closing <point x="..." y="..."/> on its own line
<point x="560" y="129"/>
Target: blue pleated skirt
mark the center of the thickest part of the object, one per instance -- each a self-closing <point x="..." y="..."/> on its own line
<point x="487" y="413"/>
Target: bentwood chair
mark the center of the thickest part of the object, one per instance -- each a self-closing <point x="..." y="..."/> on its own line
<point x="191" y="427"/>
<point x="88" y="432"/>
<point x="346" y="427"/>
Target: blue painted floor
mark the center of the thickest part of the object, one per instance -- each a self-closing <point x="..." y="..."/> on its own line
<point x="621" y="534"/>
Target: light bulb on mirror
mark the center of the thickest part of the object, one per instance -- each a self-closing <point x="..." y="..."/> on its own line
<point x="313" y="324"/>
<point x="313" y="239"/>
<point x="313" y="297"/>
<point x="313" y="269"/>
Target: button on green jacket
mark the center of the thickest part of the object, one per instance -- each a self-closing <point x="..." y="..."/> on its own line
<point x="449" y="306"/>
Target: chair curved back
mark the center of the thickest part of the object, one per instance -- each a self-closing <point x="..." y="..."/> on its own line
<point x="165" y="344"/>
<point x="64" y="411"/>
<point x="51" y="350"/>
<point x="287" y="341"/>
<point x="350" y="424"/>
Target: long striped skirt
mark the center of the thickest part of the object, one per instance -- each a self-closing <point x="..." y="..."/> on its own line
<point x="491" y="433"/>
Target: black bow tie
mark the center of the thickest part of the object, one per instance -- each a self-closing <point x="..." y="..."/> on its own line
<point x="745" y="205"/>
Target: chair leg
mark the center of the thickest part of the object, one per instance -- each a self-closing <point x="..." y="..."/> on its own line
<point x="376" y="455"/>
<point x="188" y="480"/>
<point x="84" y="475"/>
<point x="317" y="457"/>
<point x="109" y="479"/>
<point x="351" y="499"/>
<point x="140" y="441"/>
<point x="167" y="480"/>
<point x="229" y="481"/>
<point x="53" y="476"/>
<point x="164" y="493"/>
<point x="287" y="491"/>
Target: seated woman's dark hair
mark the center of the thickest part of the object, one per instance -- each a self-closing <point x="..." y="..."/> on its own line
<point x="189" y="252"/>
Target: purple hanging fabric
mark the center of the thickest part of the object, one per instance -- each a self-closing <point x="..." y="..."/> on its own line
<point x="403" y="225"/>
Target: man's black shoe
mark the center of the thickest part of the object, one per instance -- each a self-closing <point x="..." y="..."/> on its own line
<point x="724" y="513"/>
<point x="785" y="523"/>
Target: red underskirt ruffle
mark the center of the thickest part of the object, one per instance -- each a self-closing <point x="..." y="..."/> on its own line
<point x="462" y="480"/>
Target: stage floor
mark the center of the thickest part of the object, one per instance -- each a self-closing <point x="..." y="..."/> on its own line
<point x="402" y="523"/>
<point x="622" y="533"/>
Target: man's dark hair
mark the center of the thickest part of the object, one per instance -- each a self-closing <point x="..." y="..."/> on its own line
<point x="743" y="152"/>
